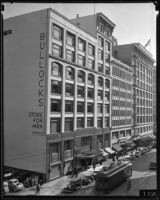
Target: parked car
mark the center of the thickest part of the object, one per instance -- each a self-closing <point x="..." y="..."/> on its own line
<point x="73" y="186"/>
<point x="137" y="153"/>
<point x="15" y="185"/>
<point x="153" y="165"/>
<point x="5" y="187"/>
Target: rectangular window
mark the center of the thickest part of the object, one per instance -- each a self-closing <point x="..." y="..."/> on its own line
<point x="90" y="64"/>
<point x="107" y="70"/>
<point x="100" y="54"/>
<point x="81" y="60"/>
<point x="90" y="107"/>
<point x="90" y="93"/>
<point x="89" y="121"/>
<point x="106" y="96"/>
<point x="99" y="107"/>
<point x="80" y="107"/>
<point x="90" y="50"/>
<point x="106" y="108"/>
<point x="106" y="57"/>
<point x="68" y="145"/>
<point x="80" y="122"/>
<point x="101" y="28"/>
<point x="99" y="122"/>
<point x="57" y="32"/>
<point x="56" y="50"/>
<point x="69" y="89"/>
<point x="56" y="87"/>
<point x="70" y="55"/>
<point x="55" y="105"/>
<point x="70" y="39"/>
<point x="106" y="121"/>
<point x="100" y="41"/>
<point x="68" y="106"/>
<point x="100" y="95"/>
<point x="81" y="45"/>
<point x="107" y="46"/>
<point x="100" y="68"/>
<point x="55" y="125"/>
<point x="68" y="124"/>
<point x="80" y="91"/>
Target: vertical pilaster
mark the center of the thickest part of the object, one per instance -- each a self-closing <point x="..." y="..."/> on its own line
<point x="75" y="101"/>
<point x="95" y="101"/>
<point x="64" y="43"/>
<point x="85" y="100"/>
<point x="63" y="100"/>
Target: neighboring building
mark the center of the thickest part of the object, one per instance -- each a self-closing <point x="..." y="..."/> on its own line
<point x="136" y="56"/>
<point x="122" y="102"/>
<point x="56" y="90"/>
<point x="154" y="100"/>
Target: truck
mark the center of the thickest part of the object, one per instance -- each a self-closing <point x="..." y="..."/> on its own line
<point x="107" y="180"/>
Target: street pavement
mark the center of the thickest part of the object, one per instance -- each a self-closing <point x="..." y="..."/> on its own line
<point x="142" y="178"/>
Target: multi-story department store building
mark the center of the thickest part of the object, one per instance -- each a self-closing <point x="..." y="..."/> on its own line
<point x="122" y="102"/>
<point x="56" y="90"/>
<point x="141" y="61"/>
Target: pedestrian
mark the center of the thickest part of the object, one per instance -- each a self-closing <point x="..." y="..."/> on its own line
<point x="113" y="157"/>
<point x="117" y="156"/>
<point x="94" y="165"/>
<point x="129" y="182"/>
<point x="37" y="188"/>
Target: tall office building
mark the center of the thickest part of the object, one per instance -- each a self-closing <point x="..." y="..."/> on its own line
<point x="56" y="90"/>
<point x="141" y="61"/>
<point x="122" y="103"/>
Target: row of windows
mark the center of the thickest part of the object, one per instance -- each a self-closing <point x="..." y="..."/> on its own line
<point x="57" y="33"/>
<point x="116" y="135"/>
<point x="144" y="94"/>
<point x="57" y="50"/>
<point x="69" y="106"/>
<point x="103" y="43"/>
<point x="141" y="66"/>
<point x="144" y="129"/>
<point x="144" y="77"/>
<point x="56" y="70"/>
<point x="55" y="123"/>
<point x="121" y="103"/>
<point x="143" y="102"/>
<point x="144" y="119"/>
<point x="121" y="122"/>
<point x="69" y="90"/>
<point x="141" y="110"/>
<point x="121" y="84"/>
<point x="121" y="73"/>
<point x="121" y="94"/>
<point x="70" y="56"/>
<point x="104" y="29"/>
<point x="121" y="113"/>
<point x="143" y="85"/>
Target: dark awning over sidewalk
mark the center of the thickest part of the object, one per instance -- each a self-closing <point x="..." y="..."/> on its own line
<point x="117" y="148"/>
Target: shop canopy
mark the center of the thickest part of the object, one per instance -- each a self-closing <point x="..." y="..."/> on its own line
<point x="117" y="148"/>
<point x="103" y="152"/>
<point x="109" y="150"/>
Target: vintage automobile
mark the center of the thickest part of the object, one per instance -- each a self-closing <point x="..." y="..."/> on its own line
<point x="73" y="186"/>
<point x="153" y="165"/>
<point x="87" y="179"/>
<point x="5" y="187"/>
<point x="14" y="185"/>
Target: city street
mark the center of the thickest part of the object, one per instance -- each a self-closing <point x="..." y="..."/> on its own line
<point x="142" y="178"/>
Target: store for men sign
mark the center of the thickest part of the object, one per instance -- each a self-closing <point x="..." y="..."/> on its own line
<point x="37" y="115"/>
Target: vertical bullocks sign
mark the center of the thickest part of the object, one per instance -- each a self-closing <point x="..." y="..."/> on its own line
<point x="38" y="114"/>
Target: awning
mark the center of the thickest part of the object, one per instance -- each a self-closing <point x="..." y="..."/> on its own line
<point x="116" y="147"/>
<point x="103" y="152"/>
<point x="109" y="150"/>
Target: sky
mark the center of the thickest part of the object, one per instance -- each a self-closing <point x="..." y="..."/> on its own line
<point x="135" y="22"/>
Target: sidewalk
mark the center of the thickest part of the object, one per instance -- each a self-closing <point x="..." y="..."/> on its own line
<point x="55" y="187"/>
